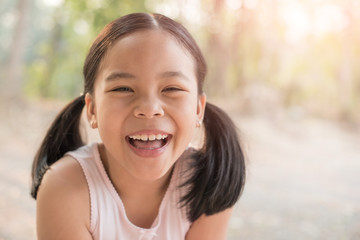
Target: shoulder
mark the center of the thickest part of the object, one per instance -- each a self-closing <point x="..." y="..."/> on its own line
<point x="65" y="174"/>
<point x="63" y="201"/>
<point x="212" y="227"/>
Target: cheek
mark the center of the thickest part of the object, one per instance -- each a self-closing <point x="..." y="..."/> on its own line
<point x="110" y="114"/>
<point x="186" y="114"/>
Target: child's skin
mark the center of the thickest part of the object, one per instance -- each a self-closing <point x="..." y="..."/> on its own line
<point x="145" y="85"/>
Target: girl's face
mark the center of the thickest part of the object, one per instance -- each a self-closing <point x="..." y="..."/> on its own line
<point x="146" y="103"/>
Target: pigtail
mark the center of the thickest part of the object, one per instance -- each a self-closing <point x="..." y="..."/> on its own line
<point x="219" y="167"/>
<point x="62" y="136"/>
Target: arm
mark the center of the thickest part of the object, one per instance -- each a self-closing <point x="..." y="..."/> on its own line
<point x="212" y="227"/>
<point x="63" y="208"/>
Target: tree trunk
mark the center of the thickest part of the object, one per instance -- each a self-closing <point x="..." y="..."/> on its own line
<point x="218" y="53"/>
<point x="345" y="69"/>
<point x="14" y="77"/>
<point x="52" y="56"/>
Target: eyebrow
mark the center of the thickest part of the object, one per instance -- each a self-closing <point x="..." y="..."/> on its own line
<point x="171" y="74"/>
<point x="124" y="75"/>
<point x="116" y="75"/>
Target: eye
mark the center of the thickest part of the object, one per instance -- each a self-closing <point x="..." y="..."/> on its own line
<point x="122" y="89"/>
<point x="172" y="89"/>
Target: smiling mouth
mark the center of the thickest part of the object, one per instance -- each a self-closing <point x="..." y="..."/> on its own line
<point x="148" y="142"/>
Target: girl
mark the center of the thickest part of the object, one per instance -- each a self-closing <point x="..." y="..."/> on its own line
<point x="143" y="92"/>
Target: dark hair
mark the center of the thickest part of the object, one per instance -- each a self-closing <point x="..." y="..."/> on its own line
<point x="219" y="169"/>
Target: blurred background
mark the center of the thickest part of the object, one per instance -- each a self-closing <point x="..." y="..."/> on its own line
<point x="287" y="71"/>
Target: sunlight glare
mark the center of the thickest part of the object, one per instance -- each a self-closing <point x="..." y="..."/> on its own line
<point x="192" y="12"/>
<point x="329" y="18"/>
<point x="250" y="4"/>
<point x="169" y="9"/>
<point x="233" y="4"/>
<point x="53" y="3"/>
<point x="96" y="3"/>
<point x="297" y="20"/>
<point x="237" y="4"/>
<point x="81" y="27"/>
<point x="300" y="22"/>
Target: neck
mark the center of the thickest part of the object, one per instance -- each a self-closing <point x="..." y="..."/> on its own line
<point x="141" y="198"/>
<point x="131" y="187"/>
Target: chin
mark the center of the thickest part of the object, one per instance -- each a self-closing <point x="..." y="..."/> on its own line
<point x="152" y="170"/>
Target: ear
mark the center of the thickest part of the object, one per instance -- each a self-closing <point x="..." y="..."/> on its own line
<point x="91" y="110"/>
<point x="201" y="107"/>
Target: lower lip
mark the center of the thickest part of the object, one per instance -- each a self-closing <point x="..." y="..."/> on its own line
<point x="150" y="153"/>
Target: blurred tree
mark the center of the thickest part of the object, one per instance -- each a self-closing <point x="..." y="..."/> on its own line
<point x="52" y="55"/>
<point x="250" y="46"/>
<point x="346" y="73"/>
<point x="13" y="76"/>
<point x="57" y="71"/>
<point x="217" y="52"/>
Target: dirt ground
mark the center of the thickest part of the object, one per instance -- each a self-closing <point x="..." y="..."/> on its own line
<point x="303" y="176"/>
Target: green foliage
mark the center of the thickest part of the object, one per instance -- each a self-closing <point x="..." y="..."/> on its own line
<point x="56" y="70"/>
<point x="243" y="45"/>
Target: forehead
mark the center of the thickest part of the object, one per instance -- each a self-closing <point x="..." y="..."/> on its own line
<point x="148" y="50"/>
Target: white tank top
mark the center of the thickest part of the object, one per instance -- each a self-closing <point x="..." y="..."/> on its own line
<point x="108" y="219"/>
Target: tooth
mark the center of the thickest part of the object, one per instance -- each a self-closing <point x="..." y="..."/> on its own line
<point x="151" y="137"/>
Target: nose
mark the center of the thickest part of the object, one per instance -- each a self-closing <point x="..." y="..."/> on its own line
<point x="148" y="108"/>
